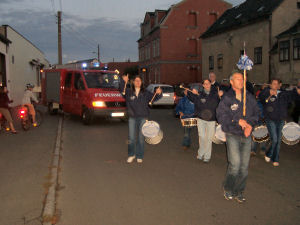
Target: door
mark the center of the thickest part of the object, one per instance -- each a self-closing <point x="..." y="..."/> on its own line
<point x="67" y="95"/>
<point x="78" y="94"/>
<point x="2" y="71"/>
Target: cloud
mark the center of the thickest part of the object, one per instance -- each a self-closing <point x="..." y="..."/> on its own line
<point x="80" y="37"/>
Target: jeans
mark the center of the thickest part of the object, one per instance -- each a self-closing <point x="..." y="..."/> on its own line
<point x="238" y="154"/>
<point x="187" y="137"/>
<point x="254" y="146"/>
<point x="136" y="138"/>
<point x="275" y="131"/>
<point x="206" y="132"/>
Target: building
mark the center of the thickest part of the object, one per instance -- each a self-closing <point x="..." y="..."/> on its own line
<point x="21" y="62"/>
<point x="285" y="55"/>
<point x="169" y="47"/>
<point x="255" y="22"/>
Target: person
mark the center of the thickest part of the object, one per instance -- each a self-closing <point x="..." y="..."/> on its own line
<point x="296" y="111"/>
<point x="238" y="129"/>
<point x="206" y="103"/>
<point x="213" y="79"/>
<point x="185" y="109"/>
<point x="4" y="108"/>
<point x="26" y="101"/>
<point x="137" y="101"/>
<point x="275" y="102"/>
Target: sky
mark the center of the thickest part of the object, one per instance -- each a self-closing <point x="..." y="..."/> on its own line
<point x="113" y="24"/>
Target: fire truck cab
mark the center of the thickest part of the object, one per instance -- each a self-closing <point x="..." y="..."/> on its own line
<point x="87" y="93"/>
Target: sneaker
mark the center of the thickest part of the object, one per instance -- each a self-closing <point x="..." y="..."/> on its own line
<point x="240" y="198"/>
<point x="139" y="161"/>
<point x="200" y="158"/>
<point x="206" y="160"/>
<point x="185" y="148"/>
<point x="130" y="159"/>
<point x="228" y="196"/>
<point x="275" y="164"/>
<point x="267" y="159"/>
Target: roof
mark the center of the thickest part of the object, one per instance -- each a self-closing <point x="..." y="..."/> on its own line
<point x="4" y="39"/>
<point x="249" y="12"/>
<point x="295" y="29"/>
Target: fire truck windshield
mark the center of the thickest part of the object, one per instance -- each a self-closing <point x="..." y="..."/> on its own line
<point x="101" y="80"/>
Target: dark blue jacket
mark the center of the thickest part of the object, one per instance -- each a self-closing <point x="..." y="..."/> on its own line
<point x="186" y="107"/>
<point x="205" y="104"/>
<point x="230" y="111"/>
<point x="276" y="107"/>
<point x="137" y="106"/>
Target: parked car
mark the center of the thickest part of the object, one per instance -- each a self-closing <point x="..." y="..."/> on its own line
<point x="168" y="97"/>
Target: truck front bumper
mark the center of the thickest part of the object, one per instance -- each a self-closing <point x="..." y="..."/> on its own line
<point x="120" y="112"/>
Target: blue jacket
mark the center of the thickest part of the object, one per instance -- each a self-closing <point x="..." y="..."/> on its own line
<point x="230" y="111"/>
<point x="276" y="107"/>
<point x="186" y="107"/>
<point x="137" y="106"/>
<point x="205" y="104"/>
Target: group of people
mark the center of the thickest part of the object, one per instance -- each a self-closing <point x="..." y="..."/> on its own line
<point x="210" y="106"/>
<point x="26" y="101"/>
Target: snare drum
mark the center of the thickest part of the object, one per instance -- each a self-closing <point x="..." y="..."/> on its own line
<point x="291" y="133"/>
<point x="260" y="134"/>
<point x="220" y="136"/>
<point x="189" y="122"/>
<point x="152" y="132"/>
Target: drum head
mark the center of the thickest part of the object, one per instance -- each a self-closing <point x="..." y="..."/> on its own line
<point x="291" y="132"/>
<point x="260" y="132"/>
<point x="150" y="129"/>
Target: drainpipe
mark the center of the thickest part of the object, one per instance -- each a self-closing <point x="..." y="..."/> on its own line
<point x="270" y="46"/>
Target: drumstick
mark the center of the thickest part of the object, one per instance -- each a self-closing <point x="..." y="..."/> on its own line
<point x="181" y="86"/>
<point x="124" y="91"/>
<point x="150" y="103"/>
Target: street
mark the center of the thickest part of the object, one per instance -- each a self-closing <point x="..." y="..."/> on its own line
<point x="98" y="187"/>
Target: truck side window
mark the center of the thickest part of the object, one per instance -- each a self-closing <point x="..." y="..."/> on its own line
<point x="78" y="82"/>
<point x="68" y="80"/>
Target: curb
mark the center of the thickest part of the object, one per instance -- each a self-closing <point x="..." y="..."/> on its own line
<point x="50" y="201"/>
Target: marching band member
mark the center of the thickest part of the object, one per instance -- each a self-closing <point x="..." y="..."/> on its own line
<point x="206" y="103"/>
<point x="275" y="102"/>
<point x="238" y="130"/>
<point x="185" y="108"/>
<point x="137" y="101"/>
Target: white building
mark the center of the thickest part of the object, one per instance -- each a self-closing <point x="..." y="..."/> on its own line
<point x="21" y="62"/>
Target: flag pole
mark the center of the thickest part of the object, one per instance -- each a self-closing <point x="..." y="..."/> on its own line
<point x="245" y="78"/>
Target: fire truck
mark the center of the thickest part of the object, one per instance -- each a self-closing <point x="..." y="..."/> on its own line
<point x="84" y="92"/>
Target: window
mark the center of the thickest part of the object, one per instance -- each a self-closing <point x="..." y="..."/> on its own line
<point x="157" y="48"/>
<point x="220" y="61"/>
<point x="68" y="80"/>
<point x="298" y="4"/>
<point x="211" y="62"/>
<point x="78" y="82"/>
<point x="154" y="48"/>
<point x="296" y="44"/>
<point x="13" y="59"/>
<point x="258" y="55"/>
<point x="101" y="80"/>
<point x="192" y="19"/>
<point x="284" y="51"/>
<point x="241" y="52"/>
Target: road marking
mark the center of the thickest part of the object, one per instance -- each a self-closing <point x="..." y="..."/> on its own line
<point x="50" y="201"/>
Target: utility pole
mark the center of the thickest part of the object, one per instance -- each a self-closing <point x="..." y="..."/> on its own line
<point x="98" y="53"/>
<point x="59" y="38"/>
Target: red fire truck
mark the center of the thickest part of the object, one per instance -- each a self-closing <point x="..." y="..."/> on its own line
<point x="86" y="93"/>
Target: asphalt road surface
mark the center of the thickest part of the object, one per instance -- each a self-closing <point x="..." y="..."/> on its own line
<point x="171" y="187"/>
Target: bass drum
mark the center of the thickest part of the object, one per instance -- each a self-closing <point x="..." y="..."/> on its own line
<point x="220" y="136"/>
<point x="291" y="133"/>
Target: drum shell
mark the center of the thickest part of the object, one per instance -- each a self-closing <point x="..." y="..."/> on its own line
<point x="261" y="139"/>
<point x="155" y="140"/>
<point x="189" y="122"/>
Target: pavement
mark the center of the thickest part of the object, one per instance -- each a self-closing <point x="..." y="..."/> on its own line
<point x="171" y="187"/>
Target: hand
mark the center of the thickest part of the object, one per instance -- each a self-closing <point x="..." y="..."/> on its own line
<point x="243" y="123"/>
<point x="181" y="114"/>
<point x="221" y="93"/>
<point x="273" y="92"/>
<point x="158" y="91"/>
<point x="248" y="130"/>
<point x="126" y="78"/>
<point x="195" y="92"/>
<point x="298" y="91"/>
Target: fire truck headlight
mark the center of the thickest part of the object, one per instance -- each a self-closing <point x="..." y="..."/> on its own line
<point x="99" y="104"/>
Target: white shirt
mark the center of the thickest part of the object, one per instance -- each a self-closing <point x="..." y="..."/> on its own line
<point x="28" y="96"/>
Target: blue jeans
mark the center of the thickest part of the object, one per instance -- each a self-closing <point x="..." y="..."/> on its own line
<point x="187" y="137"/>
<point x="275" y="131"/>
<point x="254" y="146"/>
<point x="136" y="138"/>
<point x="238" y="154"/>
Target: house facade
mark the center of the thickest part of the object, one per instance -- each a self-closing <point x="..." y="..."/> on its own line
<point x="255" y="23"/>
<point x="169" y="47"/>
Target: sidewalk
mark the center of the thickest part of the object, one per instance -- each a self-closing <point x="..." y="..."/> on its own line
<point x="24" y="162"/>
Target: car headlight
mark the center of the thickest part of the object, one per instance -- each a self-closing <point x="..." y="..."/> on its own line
<point x="99" y="104"/>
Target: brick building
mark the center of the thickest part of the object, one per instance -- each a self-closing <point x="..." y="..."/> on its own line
<point x="169" y="47"/>
<point x="258" y="23"/>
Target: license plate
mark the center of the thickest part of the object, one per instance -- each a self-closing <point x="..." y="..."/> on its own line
<point x="121" y="114"/>
<point x="166" y="95"/>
